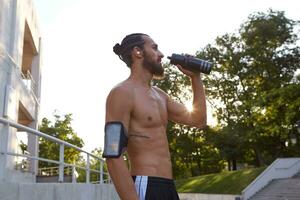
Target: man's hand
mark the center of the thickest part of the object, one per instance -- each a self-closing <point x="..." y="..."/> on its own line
<point x="188" y="72"/>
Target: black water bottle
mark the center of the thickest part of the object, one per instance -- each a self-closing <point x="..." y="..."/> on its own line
<point x="191" y="63"/>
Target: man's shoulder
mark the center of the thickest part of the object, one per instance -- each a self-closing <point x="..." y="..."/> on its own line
<point x="122" y="89"/>
<point x="119" y="101"/>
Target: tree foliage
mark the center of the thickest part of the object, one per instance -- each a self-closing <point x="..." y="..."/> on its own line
<point x="254" y="88"/>
<point x="255" y="94"/>
<point x="60" y="129"/>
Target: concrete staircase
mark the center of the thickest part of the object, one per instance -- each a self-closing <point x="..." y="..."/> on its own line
<point x="280" y="189"/>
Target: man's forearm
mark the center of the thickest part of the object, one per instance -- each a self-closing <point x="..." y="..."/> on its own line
<point x="199" y="102"/>
<point x="122" y="179"/>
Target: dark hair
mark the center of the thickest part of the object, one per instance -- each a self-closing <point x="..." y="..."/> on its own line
<point x="124" y="49"/>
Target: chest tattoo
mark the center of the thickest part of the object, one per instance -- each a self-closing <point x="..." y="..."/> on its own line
<point x="136" y="134"/>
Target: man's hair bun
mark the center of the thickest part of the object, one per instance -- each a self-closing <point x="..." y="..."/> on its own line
<point x="117" y="49"/>
<point x="124" y="49"/>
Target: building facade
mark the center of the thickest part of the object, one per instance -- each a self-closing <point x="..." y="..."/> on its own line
<point x="20" y="86"/>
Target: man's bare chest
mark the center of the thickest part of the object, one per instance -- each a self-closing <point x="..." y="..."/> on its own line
<point x="150" y="109"/>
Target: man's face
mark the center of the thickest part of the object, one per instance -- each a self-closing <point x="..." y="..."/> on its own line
<point x="152" y="58"/>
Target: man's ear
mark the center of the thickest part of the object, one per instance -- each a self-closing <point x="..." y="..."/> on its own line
<point x="137" y="52"/>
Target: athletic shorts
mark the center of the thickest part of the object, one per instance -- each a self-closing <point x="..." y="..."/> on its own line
<point x="155" y="188"/>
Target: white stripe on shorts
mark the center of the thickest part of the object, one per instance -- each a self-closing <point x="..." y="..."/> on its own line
<point x="141" y="186"/>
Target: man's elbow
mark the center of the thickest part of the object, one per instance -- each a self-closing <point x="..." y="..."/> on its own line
<point x="201" y="122"/>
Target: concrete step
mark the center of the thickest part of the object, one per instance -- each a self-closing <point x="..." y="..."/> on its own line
<point x="281" y="189"/>
<point x="297" y="175"/>
<point x="276" y="198"/>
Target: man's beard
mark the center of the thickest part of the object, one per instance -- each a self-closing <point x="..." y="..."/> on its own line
<point x="154" y="67"/>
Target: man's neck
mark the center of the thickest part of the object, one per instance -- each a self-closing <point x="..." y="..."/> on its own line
<point x="141" y="76"/>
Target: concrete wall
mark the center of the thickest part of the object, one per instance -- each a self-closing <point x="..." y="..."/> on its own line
<point x="14" y="14"/>
<point x="78" y="191"/>
<point x="192" y="196"/>
<point x="57" y="191"/>
<point x="6" y="8"/>
<point x="12" y="91"/>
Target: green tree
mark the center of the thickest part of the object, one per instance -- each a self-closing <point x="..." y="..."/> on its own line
<point x="229" y="142"/>
<point x="60" y="129"/>
<point x="254" y="69"/>
<point x="277" y="120"/>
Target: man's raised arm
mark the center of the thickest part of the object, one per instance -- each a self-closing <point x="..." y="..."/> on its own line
<point x="179" y="113"/>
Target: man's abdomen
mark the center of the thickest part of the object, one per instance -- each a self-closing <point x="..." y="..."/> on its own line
<point x="150" y="158"/>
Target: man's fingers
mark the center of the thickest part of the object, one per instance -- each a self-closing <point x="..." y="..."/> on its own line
<point x="179" y="67"/>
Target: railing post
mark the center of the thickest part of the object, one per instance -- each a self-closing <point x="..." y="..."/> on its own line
<point x="61" y="163"/>
<point x="88" y="169"/>
<point x="3" y="151"/>
<point x="109" y="179"/>
<point x="101" y="171"/>
<point x="73" y="175"/>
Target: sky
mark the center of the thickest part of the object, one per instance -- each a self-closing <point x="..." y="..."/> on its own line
<point x="79" y="67"/>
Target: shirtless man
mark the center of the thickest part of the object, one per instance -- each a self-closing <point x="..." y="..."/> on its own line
<point x="145" y="110"/>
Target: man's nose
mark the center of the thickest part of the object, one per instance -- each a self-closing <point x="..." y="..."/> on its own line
<point x="161" y="54"/>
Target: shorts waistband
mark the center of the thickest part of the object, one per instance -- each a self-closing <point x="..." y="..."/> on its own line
<point x="157" y="181"/>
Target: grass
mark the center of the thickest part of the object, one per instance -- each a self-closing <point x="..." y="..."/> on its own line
<point x="221" y="183"/>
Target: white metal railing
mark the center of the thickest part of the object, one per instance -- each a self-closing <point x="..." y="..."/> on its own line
<point x="53" y="171"/>
<point x="29" y="81"/>
<point x="280" y="168"/>
<point x="61" y="162"/>
<point x="22" y="163"/>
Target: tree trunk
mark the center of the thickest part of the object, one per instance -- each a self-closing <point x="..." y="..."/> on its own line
<point x="234" y="167"/>
<point x="229" y="165"/>
<point x="198" y="163"/>
<point x="259" y="159"/>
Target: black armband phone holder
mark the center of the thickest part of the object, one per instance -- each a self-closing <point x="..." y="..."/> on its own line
<point x="115" y="140"/>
